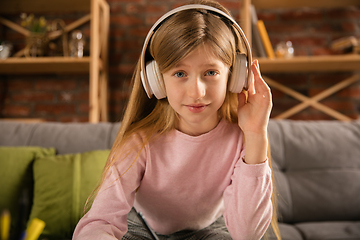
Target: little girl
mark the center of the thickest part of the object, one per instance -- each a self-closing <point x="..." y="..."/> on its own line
<point x="194" y="160"/>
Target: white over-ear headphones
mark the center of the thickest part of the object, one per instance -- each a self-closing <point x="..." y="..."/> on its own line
<point x="151" y="76"/>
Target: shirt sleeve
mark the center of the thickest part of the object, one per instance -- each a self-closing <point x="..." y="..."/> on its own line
<point x="248" y="206"/>
<point x="107" y="218"/>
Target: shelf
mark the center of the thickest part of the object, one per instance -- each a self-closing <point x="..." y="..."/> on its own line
<point x="41" y="65"/>
<point x="266" y="4"/>
<point x="333" y="63"/>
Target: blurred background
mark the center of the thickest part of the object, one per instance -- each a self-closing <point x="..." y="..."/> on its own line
<point x="64" y="97"/>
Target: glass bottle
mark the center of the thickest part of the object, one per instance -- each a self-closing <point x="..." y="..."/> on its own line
<point x="77" y="43"/>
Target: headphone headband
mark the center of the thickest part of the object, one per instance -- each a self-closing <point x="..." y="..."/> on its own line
<point x="183" y="8"/>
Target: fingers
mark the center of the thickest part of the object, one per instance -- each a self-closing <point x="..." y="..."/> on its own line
<point x="258" y="82"/>
<point x="251" y="89"/>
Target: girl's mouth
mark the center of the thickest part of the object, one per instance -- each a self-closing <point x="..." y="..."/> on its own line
<point x="196" y="108"/>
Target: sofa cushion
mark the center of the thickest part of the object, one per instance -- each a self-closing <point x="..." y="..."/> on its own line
<point x="16" y="176"/>
<point x="63" y="183"/>
<point x="330" y="230"/>
<point x="316" y="167"/>
<point x="287" y="232"/>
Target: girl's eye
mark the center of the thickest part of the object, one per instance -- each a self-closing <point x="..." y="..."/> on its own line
<point x="211" y="73"/>
<point x="180" y="74"/>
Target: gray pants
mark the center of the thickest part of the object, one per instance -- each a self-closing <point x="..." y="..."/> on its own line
<point x="137" y="231"/>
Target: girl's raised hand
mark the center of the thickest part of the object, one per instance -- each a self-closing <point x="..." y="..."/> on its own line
<point x="254" y="110"/>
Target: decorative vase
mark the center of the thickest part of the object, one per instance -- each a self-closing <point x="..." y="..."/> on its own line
<point x="35" y="44"/>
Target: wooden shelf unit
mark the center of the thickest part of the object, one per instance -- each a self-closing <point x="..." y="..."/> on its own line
<point x="96" y="65"/>
<point x="329" y="63"/>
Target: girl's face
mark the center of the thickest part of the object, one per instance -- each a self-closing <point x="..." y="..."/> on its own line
<point x="196" y="89"/>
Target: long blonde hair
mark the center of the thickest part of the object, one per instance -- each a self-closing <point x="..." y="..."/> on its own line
<point x="172" y="41"/>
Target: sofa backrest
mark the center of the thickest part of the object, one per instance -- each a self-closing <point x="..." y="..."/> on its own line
<point x="317" y="169"/>
<point x="64" y="137"/>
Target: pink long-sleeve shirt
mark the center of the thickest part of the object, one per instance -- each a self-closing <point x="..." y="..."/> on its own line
<point x="184" y="182"/>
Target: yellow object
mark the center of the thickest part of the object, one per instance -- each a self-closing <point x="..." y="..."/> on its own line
<point x="265" y="39"/>
<point x="5" y="225"/>
<point x="34" y="229"/>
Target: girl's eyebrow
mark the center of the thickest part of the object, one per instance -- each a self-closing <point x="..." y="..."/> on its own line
<point x="179" y="65"/>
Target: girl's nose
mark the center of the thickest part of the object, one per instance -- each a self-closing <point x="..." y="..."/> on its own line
<point x="196" y="88"/>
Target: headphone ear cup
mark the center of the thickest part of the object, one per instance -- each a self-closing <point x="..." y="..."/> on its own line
<point x="239" y="75"/>
<point x="155" y="80"/>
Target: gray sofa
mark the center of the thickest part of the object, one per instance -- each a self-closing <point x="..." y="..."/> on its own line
<point x="317" y="173"/>
<point x="316" y="167"/>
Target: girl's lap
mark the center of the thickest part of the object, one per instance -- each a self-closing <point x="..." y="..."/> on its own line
<point x="138" y="231"/>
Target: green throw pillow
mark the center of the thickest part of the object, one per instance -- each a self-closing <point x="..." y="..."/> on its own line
<point x="63" y="183"/>
<point x="16" y="177"/>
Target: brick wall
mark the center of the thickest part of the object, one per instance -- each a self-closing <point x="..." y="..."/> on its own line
<point x="65" y="97"/>
<point x="54" y="98"/>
